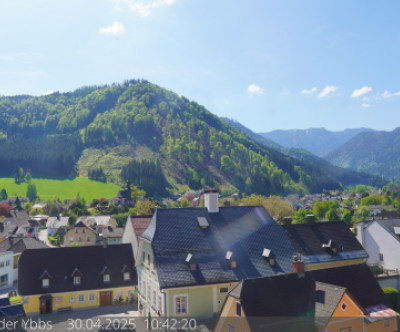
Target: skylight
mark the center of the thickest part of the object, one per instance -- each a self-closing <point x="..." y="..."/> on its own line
<point x="228" y="255"/>
<point x="203" y="223"/>
<point x="188" y="258"/>
<point x="266" y="253"/>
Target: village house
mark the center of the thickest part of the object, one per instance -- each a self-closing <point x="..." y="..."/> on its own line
<point x="70" y="278"/>
<point x="81" y="235"/>
<point x="53" y="224"/>
<point x="325" y="244"/>
<point x="134" y="228"/>
<point x="6" y="269"/>
<point x="381" y="239"/>
<point x="344" y="299"/>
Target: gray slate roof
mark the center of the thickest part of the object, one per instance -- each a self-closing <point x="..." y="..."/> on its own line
<point x="55" y="222"/>
<point x="245" y="231"/>
<point x="110" y="232"/>
<point x="389" y="225"/>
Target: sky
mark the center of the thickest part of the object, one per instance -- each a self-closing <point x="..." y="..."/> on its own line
<point x="267" y="64"/>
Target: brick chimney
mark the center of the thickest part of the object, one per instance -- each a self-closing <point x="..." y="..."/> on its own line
<point x="298" y="266"/>
<point x="211" y="200"/>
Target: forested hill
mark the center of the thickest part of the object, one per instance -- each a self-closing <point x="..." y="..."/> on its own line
<point x="375" y="153"/>
<point x="345" y="176"/>
<point x="110" y="126"/>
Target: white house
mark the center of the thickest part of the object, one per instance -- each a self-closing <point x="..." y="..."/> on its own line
<point x="6" y="269"/>
<point x="381" y="240"/>
<point x="134" y="228"/>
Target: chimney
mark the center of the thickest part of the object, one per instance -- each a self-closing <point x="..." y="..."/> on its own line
<point x="298" y="266"/>
<point x="211" y="200"/>
<point x="360" y="233"/>
<point x="310" y="219"/>
<point x="287" y="221"/>
<point x="11" y="241"/>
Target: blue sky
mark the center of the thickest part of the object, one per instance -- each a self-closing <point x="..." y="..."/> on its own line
<point x="268" y="64"/>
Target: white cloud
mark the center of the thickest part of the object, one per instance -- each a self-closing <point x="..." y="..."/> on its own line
<point x="144" y="8"/>
<point x="254" y="90"/>
<point x="327" y="90"/>
<point x="365" y="105"/>
<point x="386" y="95"/>
<point x="115" y="29"/>
<point x="360" y="92"/>
<point x="309" y="92"/>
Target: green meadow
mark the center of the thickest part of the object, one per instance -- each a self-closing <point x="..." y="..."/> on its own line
<point x="62" y="188"/>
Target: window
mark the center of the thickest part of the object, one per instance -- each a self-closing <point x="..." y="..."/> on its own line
<point x="76" y="230"/>
<point x="127" y="276"/>
<point x="386" y="323"/>
<point x="45" y="283"/>
<point x="381" y="257"/>
<point x="120" y="295"/>
<point x="4" y="280"/>
<point x="148" y="259"/>
<point x="238" y="309"/>
<point x="143" y="257"/>
<point x="346" y="329"/>
<point x="181" y="305"/>
<point x="2" y="264"/>
<point x="106" y="278"/>
<point x="159" y="307"/>
<point x="143" y="289"/>
<point x="149" y="293"/>
<point x="83" y="230"/>
<point x="223" y="290"/>
<point x="129" y="294"/>
<point x="71" y="239"/>
<point x="92" y="297"/>
<point x="344" y="306"/>
<point x="81" y="298"/>
<point x="154" y="298"/>
<point x="7" y="263"/>
<point x="88" y="239"/>
<point x="77" y="280"/>
<point x="231" y="328"/>
<point x="79" y="239"/>
<point x="233" y="264"/>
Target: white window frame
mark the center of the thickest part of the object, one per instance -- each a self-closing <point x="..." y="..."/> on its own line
<point x="187" y="304"/>
<point x="78" y="298"/>
<point x="92" y="297"/>
<point x="120" y="295"/>
<point x="71" y="239"/>
<point x="144" y="289"/>
<point x="127" y="276"/>
<point x="46" y="283"/>
<point x="154" y="298"/>
<point x="77" y="280"/>
<point x="149" y="292"/>
<point x="106" y="278"/>
<point x="159" y="306"/>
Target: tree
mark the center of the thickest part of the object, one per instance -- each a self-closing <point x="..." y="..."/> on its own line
<point x="31" y="191"/>
<point x="278" y="208"/>
<point x="300" y="216"/>
<point x="144" y="207"/>
<point x="331" y="215"/>
<point x="5" y="209"/>
<point x="185" y="203"/>
<point x="346" y="216"/>
<point x="3" y="194"/>
<point x="35" y="211"/>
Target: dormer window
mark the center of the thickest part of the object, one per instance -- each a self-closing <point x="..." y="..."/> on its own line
<point x="191" y="263"/>
<point x="203" y="223"/>
<point x="77" y="280"/>
<point x="45" y="277"/>
<point x="331" y="247"/>
<point x="106" y="278"/>
<point x="269" y="256"/>
<point x="106" y="274"/>
<point x="127" y="276"/>
<point x="229" y="256"/>
<point x="45" y="283"/>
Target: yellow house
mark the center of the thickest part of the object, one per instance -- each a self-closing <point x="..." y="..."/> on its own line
<point x="61" y="279"/>
<point x="80" y="234"/>
<point x="337" y="299"/>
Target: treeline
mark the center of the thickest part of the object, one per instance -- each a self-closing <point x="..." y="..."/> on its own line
<point x="146" y="175"/>
<point x="40" y="155"/>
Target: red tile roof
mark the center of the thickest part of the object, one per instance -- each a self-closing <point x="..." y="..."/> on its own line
<point x="140" y="223"/>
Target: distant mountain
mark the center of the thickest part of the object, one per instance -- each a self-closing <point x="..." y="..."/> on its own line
<point x="319" y="141"/>
<point x="345" y="176"/>
<point x="375" y="152"/>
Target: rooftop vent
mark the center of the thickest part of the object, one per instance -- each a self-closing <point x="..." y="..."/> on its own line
<point x="191" y="263"/>
<point x="269" y="256"/>
<point x="203" y="223"/>
<point x="397" y="230"/>
<point x="211" y="200"/>
<point x="229" y="255"/>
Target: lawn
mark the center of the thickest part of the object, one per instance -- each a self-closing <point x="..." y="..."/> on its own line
<point x="62" y="188"/>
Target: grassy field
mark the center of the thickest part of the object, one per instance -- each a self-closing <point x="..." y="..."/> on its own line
<point x="63" y="189"/>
